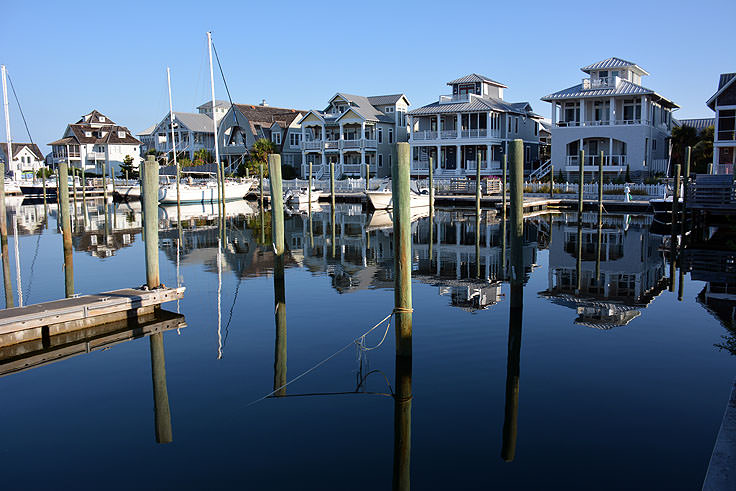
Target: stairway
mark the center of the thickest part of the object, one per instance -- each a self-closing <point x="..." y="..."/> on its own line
<point x="541" y="171"/>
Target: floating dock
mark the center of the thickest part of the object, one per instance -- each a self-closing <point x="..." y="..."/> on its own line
<point x="43" y="320"/>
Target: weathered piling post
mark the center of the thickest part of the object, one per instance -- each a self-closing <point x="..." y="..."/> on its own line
<point x="367" y="175"/>
<point x="504" y="161"/>
<point x="150" y="219"/>
<point x="126" y="176"/>
<point x="400" y="182"/>
<point x="431" y="187"/>
<point x="7" y="282"/>
<point x="309" y="189"/>
<point x="600" y="218"/>
<point x="260" y="195"/>
<point x="84" y="185"/>
<point x="516" y="304"/>
<point x="402" y="250"/>
<point x="104" y="181"/>
<point x="279" y="288"/>
<point x="581" y="179"/>
<point x="477" y="215"/>
<point x="600" y="184"/>
<point x="402" y="424"/>
<point x="112" y="176"/>
<point x="676" y="197"/>
<point x="162" y="411"/>
<point x="43" y="183"/>
<point x="74" y="195"/>
<point x="685" y="191"/>
<point x="66" y="229"/>
<point x="579" y="257"/>
<point x="551" y="181"/>
<point x="332" y="185"/>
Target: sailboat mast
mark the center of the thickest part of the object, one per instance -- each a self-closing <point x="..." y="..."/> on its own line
<point x="9" y="138"/>
<point x="171" y="114"/>
<point x="212" y="85"/>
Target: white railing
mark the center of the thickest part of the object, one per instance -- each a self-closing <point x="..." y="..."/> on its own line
<point x="477" y="133"/>
<point x="332" y="144"/>
<point x="599" y="83"/>
<point x="454" y="98"/>
<point x="96" y="155"/>
<point x="609" y="190"/>
<point x="311" y="144"/>
<point x="618" y="122"/>
<point x="420" y="165"/>
<point x="541" y="171"/>
<point x="658" y="166"/>
<point x="614" y="160"/>
<point x="352" y="143"/>
<point x="448" y="134"/>
<point x="368" y="143"/>
<point x="424" y="135"/>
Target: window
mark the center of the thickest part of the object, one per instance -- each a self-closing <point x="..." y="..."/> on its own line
<point x="536" y="128"/>
<point x="88" y="134"/>
<point x="527" y="154"/>
<point x="509" y="119"/>
<point x="380" y="135"/>
<point x="572" y="112"/>
<point x="516" y="124"/>
<point x="654" y="144"/>
<point x="294" y="139"/>
<point x="603" y="74"/>
<point x="380" y="160"/>
<point x="389" y="109"/>
<point x="632" y="110"/>
<point x="276" y="137"/>
<point x="102" y="119"/>
<point x="390" y="163"/>
<point x="726" y="124"/>
<point x="601" y="110"/>
<point x="390" y="135"/>
<point x="121" y="134"/>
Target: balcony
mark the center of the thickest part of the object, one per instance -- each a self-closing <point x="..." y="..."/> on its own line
<point x="602" y="122"/>
<point x="95" y="155"/>
<point x="600" y="83"/>
<point x="312" y="145"/>
<point x="455" y="98"/>
<point x="332" y="144"/>
<point x="453" y="134"/>
<point x="611" y="163"/>
<point x="354" y="144"/>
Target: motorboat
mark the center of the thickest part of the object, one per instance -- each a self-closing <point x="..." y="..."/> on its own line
<point x="382" y="199"/>
<point x="207" y="211"/>
<point x="300" y="198"/>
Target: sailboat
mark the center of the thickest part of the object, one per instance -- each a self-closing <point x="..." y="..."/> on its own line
<point x="206" y="191"/>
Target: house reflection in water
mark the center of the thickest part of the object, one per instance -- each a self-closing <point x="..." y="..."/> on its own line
<point x="632" y="268"/>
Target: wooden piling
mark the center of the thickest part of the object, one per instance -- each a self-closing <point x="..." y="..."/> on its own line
<point x="310" y="189"/>
<point x="516" y="304"/>
<point x="581" y="179"/>
<point x="551" y="181"/>
<point x="162" y="410"/>
<point x="332" y="185"/>
<point x="402" y="424"/>
<point x="504" y="160"/>
<point x="431" y="189"/>
<point x="43" y="183"/>
<point x="277" y="203"/>
<point x="84" y="185"/>
<point x="66" y="229"/>
<point x="685" y="183"/>
<point x="7" y="282"/>
<point x="150" y="219"/>
<point x="477" y="214"/>
<point x="260" y="176"/>
<point x="400" y="179"/>
<point x="367" y="175"/>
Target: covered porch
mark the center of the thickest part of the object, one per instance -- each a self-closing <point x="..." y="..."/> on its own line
<point x="457" y="160"/>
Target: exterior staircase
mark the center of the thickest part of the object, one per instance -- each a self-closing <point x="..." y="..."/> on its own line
<point x="540" y="171"/>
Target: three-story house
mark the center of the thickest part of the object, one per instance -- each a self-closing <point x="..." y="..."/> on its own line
<point x="723" y="102"/>
<point x="611" y="112"/>
<point x="474" y="122"/>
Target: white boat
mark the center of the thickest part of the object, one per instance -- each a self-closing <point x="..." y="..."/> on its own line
<point x="208" y="211"/>
<point x="204" y="192"/>
<point x="383" y="200"/>
<point x="384" y="219"/>
<point x="129" y="192"/>
<point x="301" y="197"/>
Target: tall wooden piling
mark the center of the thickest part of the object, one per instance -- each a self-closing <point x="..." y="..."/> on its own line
<point x="581" y="179"/>
<point x="309" y="189"/>
<point x="504" y="161"/>
<point x="66" y="229"/>
<point x="43" y="183"/>
<point x="162" y="410"/>
<point x="7" y="282"/>
<point x="477" y="214"/>
<point x="260" y="176"/>
<point x="600" y="184"/>
<point x="332" y="185"/>
<point x="279" y="286"/>
<point x="402" y="250"/>
<point x="685" y="186"/>
<point x="516" y="304"/>
<point x="367" y="175"/>
<point x="551" y="181"/>
<point x="402" y="424"/>
<point x="84" y="185"/>
<point x="431" y="188"/>
<point x="150" y="220"/>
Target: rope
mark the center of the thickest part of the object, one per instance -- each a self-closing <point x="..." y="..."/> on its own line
<point x="356" y="341"/>
<point x="20" y="109"/>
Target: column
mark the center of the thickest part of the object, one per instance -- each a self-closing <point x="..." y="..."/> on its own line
<point x="342" y="134"/>
<point x="458" y="158"/>
<point x="459" y="125"/>
<point x="488" y="158"/>
<point x="612" y="111"/>
<point x="644" y="111"/>
<point x="439" y="157"/>
<point x="582" y="112"/>
<point x="439" y="126"/>
<point x="362" y="132"/>
<point x="411" y="128"/>
<point x="610" y="151"/>
<point x="553" y="119"/>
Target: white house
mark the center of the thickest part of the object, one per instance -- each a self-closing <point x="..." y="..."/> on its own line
<point x="27" y="159"/>
<point x="96" y="141"/>
<point x="354" y="131"/>
<point x="723" y="102"/>
<point x="472" y="122"/>
<point x="610" y="111"/>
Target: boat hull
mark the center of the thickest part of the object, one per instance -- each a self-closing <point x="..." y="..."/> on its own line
<point x="206" y="193"/>
<point x="383" y="200"/>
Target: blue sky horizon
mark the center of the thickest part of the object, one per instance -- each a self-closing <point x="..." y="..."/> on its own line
<point x="113" y="56"/>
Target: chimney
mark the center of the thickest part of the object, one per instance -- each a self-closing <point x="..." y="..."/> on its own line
<point x="263" y="103"/>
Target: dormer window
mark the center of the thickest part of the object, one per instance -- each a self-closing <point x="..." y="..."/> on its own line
<point x="121" y="134"/>
<point x="88" y="134"/>
<point x="102" y="119"/>
<point x="389" y="109"/>
<point x="603" y="74"/>
<point x="276" y="137"/>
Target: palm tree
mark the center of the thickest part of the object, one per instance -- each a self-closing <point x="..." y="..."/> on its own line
<point x="259" y="155"/>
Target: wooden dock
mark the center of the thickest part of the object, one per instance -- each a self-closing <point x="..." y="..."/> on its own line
<point x="39" y="352"/>
<point x="43" y="320"/>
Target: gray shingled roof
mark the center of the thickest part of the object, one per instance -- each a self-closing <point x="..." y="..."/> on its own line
<point x="195" y="121"/>
<point x="474" y="77"/>
<point x="624" y="88"/>
<point x="611" y="63"/>
<point x="17" y="147"/>
<point x="147" y="131"/>
<point x="475" y="104"/>
<point x="363" y="106"/>
<point x="382" y="100"/>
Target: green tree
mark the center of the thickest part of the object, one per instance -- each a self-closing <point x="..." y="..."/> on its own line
<point x="628" y="174"/>
<point x="127" y="165"/>
<point x="702" y="152"/>
<point x="682" y="137"/>
<point x="44" y="172"/>
<point x="202" y="156"/>
<point x="259" y="155"/>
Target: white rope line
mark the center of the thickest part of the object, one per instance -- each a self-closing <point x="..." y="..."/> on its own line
<point x="351" y="343"/>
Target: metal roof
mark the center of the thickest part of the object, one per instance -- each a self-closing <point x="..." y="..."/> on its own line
<point x="697" y="123"/>
<point x="148" y="131"/>
<point x="613" y="62"/>
<point x="382" y="100"/>
<point x="724" y="82"/>
<point x="474" y="77"/>
<point x="218" y="103"/>
<point x="624" y="88"/>
<point x="476" y="104"/>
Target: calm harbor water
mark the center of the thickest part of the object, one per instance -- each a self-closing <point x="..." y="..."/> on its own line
<point x="620" y="386"/>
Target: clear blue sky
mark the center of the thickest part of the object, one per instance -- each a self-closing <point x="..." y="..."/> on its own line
<point x="66" y="58"/>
